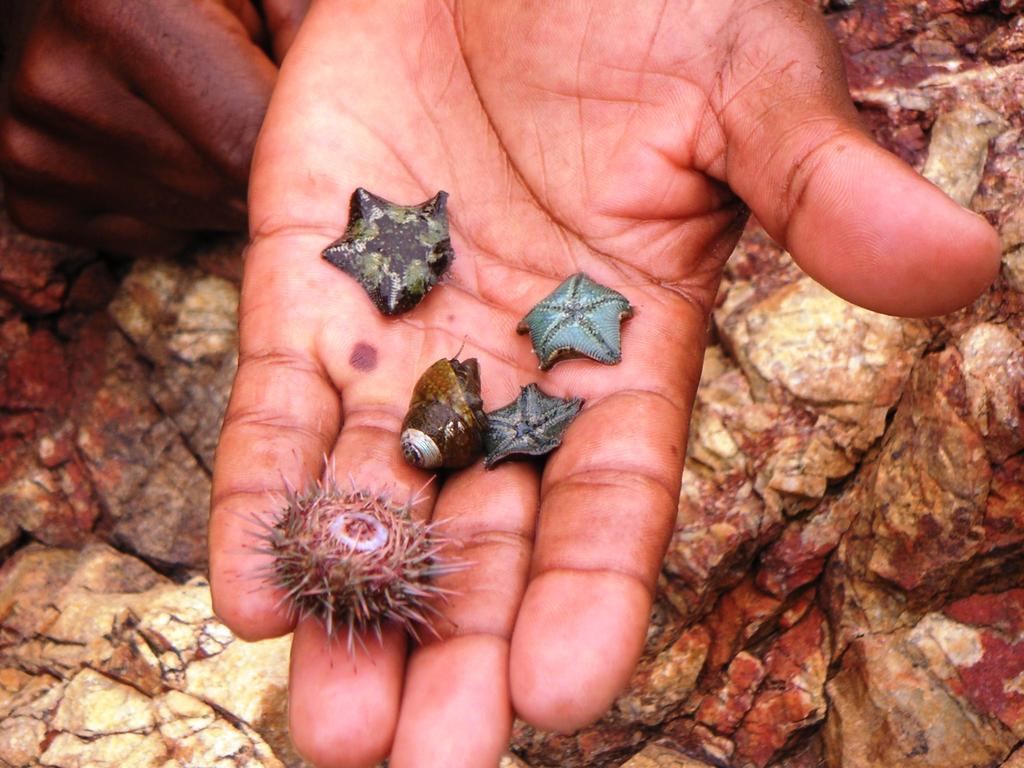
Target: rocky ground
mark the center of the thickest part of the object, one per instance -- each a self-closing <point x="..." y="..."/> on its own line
<point x="845" y="584"/>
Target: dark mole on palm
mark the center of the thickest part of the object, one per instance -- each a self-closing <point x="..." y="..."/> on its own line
<point x="363" y="357"/>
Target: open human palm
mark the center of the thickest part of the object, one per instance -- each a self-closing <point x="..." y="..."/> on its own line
<point x="622" y="140"/>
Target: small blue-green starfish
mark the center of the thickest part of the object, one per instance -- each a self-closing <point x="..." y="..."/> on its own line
<point x="531" y="425"/>
<point x="580" y="318"/>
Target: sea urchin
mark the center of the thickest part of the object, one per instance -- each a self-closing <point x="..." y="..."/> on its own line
<point x="355" y="560"/>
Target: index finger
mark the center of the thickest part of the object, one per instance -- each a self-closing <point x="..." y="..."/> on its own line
<point x="282" y="420"/>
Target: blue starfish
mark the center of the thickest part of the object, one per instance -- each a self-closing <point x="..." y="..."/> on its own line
<point x="531" y="425"/>
<point x="580" y="318"/>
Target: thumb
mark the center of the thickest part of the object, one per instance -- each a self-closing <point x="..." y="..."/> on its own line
<point x="855" y="218"/>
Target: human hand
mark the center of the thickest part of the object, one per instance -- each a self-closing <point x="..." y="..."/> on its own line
<point x="617" y="139"/>
<point x="130" y="125"/>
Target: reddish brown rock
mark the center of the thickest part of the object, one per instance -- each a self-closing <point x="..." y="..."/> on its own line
<point x="1000" y="560"/>
<point x="792" y="696"/>
<point x="992" y="677"/>
<point x="1005" y="42"/>
<point x="923" y="504"/>
<point x="42" y="490"/>
<point x="33" y="369"/>
<point x="54" y="507"/>
<point x="798" y="556"/>
<point x="699" y="741"/>
<point x="663" y="682"/>
<point x="809" y="753"/>
<point x="925" y="529"/>
<point x="154" y="492"/>
<point x="599" y="746"/>
<point x="805" y="491"/>
<point x="720" y="525"/>
<point x="740" y="614"/>
<point x="34" y="272"/>
<point x="759" y="264"/>
<point x="183" y="322"/>
<point x="724" y="709"/>
<point x="92" y="289"/>
<point x="92" y="427"/>
<point x="938" y="694"/>
<point x="899" y="42"/>
<point x="139" y="425"/>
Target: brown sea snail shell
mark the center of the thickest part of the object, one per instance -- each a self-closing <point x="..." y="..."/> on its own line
<point x="445" y="423"/>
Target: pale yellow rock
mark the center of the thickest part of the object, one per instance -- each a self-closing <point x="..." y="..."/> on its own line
<point x="182" y="715"/>
<point x="714" y="445"/>
<point x="821" y="349"/>
<point x="102" y="569"/>
<point x="83" y="611"/>
<point x="657" y="756"/>
<point x="661" y="686"/>
<point x="815" y="381"/>
<point x="20" y="738"/>
<point x="959" y="147"/>
<point x="946" y="644"/>
<point x="111" y="614"/>
<point x="512" y="761"/>
<point x="145" y="298"/>
<point x="993" y="366"/>
<point x="24" y="695"/>
<point x="206" y="325"/>
<point x="250" y="680"/>
<point x="218" y="745"/>
<point x="820" y="376"/>
<point x="721" y="394"/>
<point x="122" y="750"/>
<point x="1016" y="760"/>
<point x="94" y="705"/>
<point x="890" y="705"/>
<point x="35" y="488"/>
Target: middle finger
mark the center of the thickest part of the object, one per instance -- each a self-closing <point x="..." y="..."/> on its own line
<point x="358" y="681"/>
<point x="459" y="684"/>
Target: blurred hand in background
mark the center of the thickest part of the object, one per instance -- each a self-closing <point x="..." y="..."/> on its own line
<point x="129" y="125"/>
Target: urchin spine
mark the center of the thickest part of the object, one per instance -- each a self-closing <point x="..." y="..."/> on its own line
<point x="355" y="560"/>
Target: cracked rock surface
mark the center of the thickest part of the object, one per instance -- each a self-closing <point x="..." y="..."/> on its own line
<point x="104" y="662"/>
<point x="845" y="586"/>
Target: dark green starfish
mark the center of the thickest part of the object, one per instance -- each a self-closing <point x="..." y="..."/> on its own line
<point x="396" y="252"/>
<point x="531" y="425"/>
<point x="580" y="318"/>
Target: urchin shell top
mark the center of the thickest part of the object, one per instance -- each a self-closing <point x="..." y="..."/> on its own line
<point x="396" y="252"/>
<point x="354" y="560"/>
<point x="580" y="318"/>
